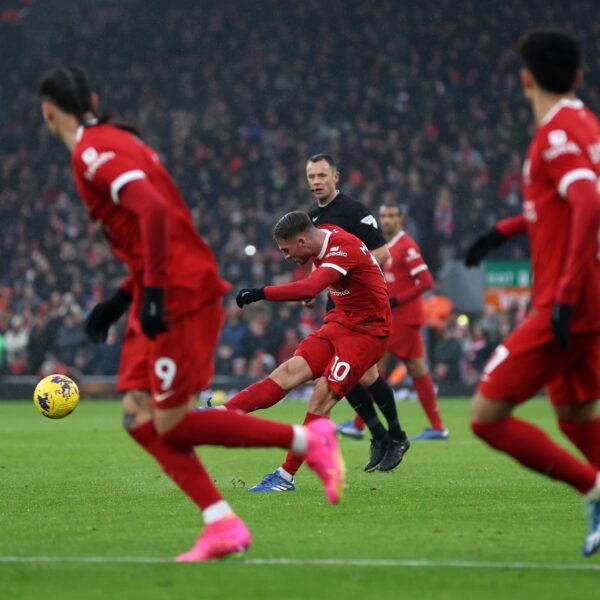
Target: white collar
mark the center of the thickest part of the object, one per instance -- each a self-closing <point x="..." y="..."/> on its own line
<point x="325" y="243"/>
<point x="574" y="103"/>
<point x="79" y="133"/>
<point x="397" y="237"/>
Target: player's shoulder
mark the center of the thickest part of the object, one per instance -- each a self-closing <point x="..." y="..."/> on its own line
<point x="350" y="205"/>
<point x="340" y="237"/>
<point x="569" y="119"/>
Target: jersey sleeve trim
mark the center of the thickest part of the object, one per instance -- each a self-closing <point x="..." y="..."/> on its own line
<point x="336" y="267"/>
<point x="418" y="269"/>
<point x="122" y="180"/>
<point x="571" y="177"/>
<point x="325" y="244"/>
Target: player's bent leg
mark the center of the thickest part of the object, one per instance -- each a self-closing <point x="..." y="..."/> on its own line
<point x="137" y="409"/>
<point x="491" y="420"/>
<point x="426" y="393"/>
<point x="581" y="424"/>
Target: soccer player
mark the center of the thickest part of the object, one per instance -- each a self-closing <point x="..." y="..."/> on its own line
<point x="558" y="344"/>
<point x="408" y="278"/>
<point x="175" y="292"/>
<point x="351" y="340"/>
<point x="335" y="208"/>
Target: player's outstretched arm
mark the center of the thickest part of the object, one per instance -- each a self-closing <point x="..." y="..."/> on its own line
<point x="304" y="289"/>
<point x="582" y="250"/>
<point x="423" y="284"/>
<point x="494" y="238"/>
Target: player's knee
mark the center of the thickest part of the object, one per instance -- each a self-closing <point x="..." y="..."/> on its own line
<point x="137" y="409"/>
<point x="484" y="410"/>
<point x="575" y="413"/>
<point x="415" y="368"/>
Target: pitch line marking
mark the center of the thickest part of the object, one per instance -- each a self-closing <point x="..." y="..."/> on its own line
<point x="324" y="562"/>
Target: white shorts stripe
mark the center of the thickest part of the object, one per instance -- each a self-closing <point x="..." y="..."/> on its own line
<point x="571" y="177"/>
<point x="336" y="267"/>
<point x="418" y="269"/>
<point x="122" y="180"/>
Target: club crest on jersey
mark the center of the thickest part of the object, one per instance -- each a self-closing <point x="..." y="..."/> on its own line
<point x="412" y="254"/>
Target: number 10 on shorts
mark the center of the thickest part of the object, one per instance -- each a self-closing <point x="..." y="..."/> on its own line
<point x="340" y="369"/>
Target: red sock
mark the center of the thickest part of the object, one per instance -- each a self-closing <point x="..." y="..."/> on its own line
<point x="586" y="436"/>
<point x="292" y="461"/>
<point x="359" y="423"/>
<point x="263" y="394"/>
<point x="183" y="467"/>
<point x="229" y="429"/>
<point x="426" y="393"/>
<point x="535" y="450"/>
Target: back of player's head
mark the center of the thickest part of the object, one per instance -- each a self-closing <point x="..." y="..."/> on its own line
<point x="315" y="158"/>
<point x="292" y="224"/>
<point x="68" y="88"/>
<point x="553" y="56"/>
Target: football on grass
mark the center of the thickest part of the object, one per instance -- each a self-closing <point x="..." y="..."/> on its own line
<point x="56" y="396"/>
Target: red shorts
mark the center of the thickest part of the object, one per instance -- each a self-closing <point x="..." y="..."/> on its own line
<point x="176" y="364"/>
<point x="406" y="341"/>
<point x="341" y="355"/>
<point x="530" y="360"/>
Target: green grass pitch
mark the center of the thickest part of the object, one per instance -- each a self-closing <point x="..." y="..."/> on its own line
<point x="455" y="520"/>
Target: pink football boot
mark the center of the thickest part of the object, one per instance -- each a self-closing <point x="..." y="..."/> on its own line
<point x="228" y="535"/>
<point x="324" y="458"/>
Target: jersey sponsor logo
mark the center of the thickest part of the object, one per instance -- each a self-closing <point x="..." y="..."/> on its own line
<point x="336" y="252"/>
<point x="559" y="145"/>
<point x="339" y="292"/>
<point x="389" y="277"/>
<point x="95" y="161"/>
<point x="370" y="220"/>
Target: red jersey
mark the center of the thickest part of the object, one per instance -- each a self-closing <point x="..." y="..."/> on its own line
<point x="361" y="298"/>
<point x="354" y="280"/>
<point x="565" y="149"/>
<point x="403" y="271"/>
<point x="104" y="160"/>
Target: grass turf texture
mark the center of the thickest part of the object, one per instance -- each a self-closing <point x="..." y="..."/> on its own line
<point x="80" y="488"/>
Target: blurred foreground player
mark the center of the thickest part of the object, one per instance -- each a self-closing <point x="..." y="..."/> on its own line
<point x="336" y="208"/>
<point x="408" y="278"/>
<point x="558" y="344"/>
<point x="351" y="340"/>
<point x="175" y="318"/>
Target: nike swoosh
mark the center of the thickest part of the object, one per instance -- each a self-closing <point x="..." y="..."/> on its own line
<point x="163" y="396"/>
<point x="314" y="219"/>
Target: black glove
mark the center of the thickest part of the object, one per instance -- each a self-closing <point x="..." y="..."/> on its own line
<point x="394" y="302"/>
<point x="561" y="322"/>
<point x="483" y="245"/>
<point x="152" y="313"/>
<point x="104" y="314"/>
<point x="249" y="295"/>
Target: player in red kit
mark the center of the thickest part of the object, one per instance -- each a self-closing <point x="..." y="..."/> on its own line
<point x="348" y="345"/>
<point x="175" y="292"/>
<point x="408" y="278"/>
<point x="558" y="344"/>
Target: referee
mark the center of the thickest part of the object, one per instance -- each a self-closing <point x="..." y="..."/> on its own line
<point x="335" y="208"/>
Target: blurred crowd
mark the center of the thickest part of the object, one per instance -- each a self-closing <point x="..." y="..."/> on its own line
<point x="418" y="102"/>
